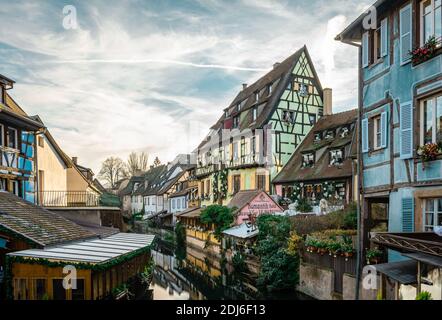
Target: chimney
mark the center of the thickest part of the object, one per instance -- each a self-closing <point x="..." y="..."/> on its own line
<point x="276" y="65"/>
<point x="244" y="86"/>
<point x="75" y="160"/>
<point x="328" y="101"/>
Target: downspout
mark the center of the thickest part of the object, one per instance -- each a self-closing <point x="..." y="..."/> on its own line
<point x="359" y="246"/>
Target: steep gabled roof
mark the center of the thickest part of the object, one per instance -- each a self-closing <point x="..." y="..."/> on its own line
<point x="245" y="197"/>
<point x="36" y="224"/>
<point x="279" y="78"/>
<point x="293" y="170"/>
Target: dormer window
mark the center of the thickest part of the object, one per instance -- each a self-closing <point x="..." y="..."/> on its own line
<point x="226" y="114"/>
<point x="344" y="132"/>
<point x="312" y="118"/>
<point x="236" y="122"/>
<point x="238" y="107"/>
<point x="318" y="136"/>
<point x="270" y="86"/>
<point x="254" y="113"/>
<point x="336" y="157"/>
<point x="256" y="95"/>
<point x="330" y="134"/>
<point x="308" y="160"/>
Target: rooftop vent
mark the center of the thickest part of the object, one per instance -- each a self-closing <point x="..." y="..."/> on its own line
<point x="244" y="86"/>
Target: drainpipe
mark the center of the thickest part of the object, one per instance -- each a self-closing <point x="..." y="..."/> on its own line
<point x="359" y="247"/>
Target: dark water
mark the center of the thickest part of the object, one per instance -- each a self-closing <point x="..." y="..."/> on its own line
<point x="190" y="274"/>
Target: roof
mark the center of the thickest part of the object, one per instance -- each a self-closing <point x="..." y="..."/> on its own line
<point x="267" y="103"/>
<point x="244" y="197"/>
<point x="404" y="272"/>
<point x="39" y="225"/>
<point x="190" y="213"/>
<point x="294" y="171"/>
<point x="129" y="188"/>
<point x="13" y="113"/>
<point x="242" y="231"/>
<point x="92" y="251"/>
<point x="354" y="31"/>
<point x="425" y="258"/>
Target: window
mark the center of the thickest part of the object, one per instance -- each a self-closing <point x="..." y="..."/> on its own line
<point x="308" y="160"/>
<point x="318" y="136"/>
<point x="236" y="122"/>
<point x="377" y="132"/>
<point x="256" y="95"/>
<point x="432" y="213"/>
<point x="40" y="289"/>
<point x="2" y="99"/>
<point x="375" y="44"/>
<point x="430" y="20"/>
<point x="41" y="142"/>
<point x="207" y="186"/>
<point x="12" y="138"/>
<point x="238" y="107"/>
<point x="178" y="204"/>
<point x="58" y="292"/>
<point x="431" y="120"/>
<point x="78" y="294"/>
<point x="235" y="151"/>
<point x="254" y="113"/>
<point x="288" y="116"/>
<point x="336" y="157"/>
<point x="173" y="204"/>
<point x="243" y="150"/>
<point x="270" y="88"/>
<point x="21" y="289"/>
<point x="183" y="203"/>
<point x="3" y="183"/>
<point x="330" y="134"/>
<point x="312" y="118"/>
<point x="15" y="189"/>
<point x="236" y="183"/>
<point x="261" y="181"/>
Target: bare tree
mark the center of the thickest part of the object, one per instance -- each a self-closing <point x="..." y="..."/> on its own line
<point x="112" y="170"/>
<point x="156" y="162"/>
<point x="137" y="162"/>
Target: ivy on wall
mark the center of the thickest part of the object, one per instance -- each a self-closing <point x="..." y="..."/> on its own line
<point x="223" y="181"/>
<point x="215" y="186"/>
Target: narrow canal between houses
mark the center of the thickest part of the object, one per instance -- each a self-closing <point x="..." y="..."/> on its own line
<point x="190" y="274"/>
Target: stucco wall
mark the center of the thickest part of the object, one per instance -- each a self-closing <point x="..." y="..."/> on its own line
<point x="316" y="282"/>
<point x="75" y="181"/>
<point x="55" y="171"/>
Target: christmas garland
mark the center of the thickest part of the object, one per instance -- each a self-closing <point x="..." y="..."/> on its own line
<point x="296" y="194"/>
<point x="223" y="181"/>
<point x="215" y="186"/>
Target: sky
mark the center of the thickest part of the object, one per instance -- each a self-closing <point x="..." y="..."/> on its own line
<point x="153" y="76"/>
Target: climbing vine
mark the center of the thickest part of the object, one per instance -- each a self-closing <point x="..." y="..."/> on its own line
<point x="215" y="186"/>
<point x="223" y="181"/>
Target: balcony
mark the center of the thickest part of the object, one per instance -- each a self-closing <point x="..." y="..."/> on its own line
<point x="206" y="170"/>
<point x="419" y="242"/>
<point x="70" y="199"/>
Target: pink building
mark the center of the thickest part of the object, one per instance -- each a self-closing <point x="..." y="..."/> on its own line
<point x="252" y="203"/>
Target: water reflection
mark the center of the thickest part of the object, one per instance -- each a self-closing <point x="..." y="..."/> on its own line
<point x="191" y="274"/>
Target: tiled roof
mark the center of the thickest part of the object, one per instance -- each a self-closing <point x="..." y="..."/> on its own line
<point x="243" y="198"/>
<point x="39" y="225"/>
<point x="293" y="170"/>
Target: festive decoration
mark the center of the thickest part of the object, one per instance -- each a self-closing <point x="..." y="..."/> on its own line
<point x="223" y="181"/>
<point x="296" y="194"/>
<point x="215" y="186"/>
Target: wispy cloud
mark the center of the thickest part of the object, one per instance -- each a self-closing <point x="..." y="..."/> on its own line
<point x="155" y="75"/>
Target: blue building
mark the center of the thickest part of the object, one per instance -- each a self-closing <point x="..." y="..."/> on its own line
<point x="400" y="116"/>
<point x="17" y="146"/>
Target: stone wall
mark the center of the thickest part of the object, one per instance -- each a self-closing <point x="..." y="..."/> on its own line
<point x="316" y="282"/>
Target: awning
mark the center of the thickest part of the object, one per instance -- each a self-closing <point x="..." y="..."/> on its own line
<point x="425" y="258"/>
<point x="91" y="251"/>
<point x="242" y="231"/>
<point x="404" y="272"/>
<point x="190" y="213"/>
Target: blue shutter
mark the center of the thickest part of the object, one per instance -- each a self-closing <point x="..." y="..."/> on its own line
<point x="365" y="48"/>
<point x="406" y="130"/>
<point x="384" y="37"/>
<point x="384" y="129"/>
<point x="365" y="135"/>
<point x="407" y="215"/>
<point x="405" y="16"/>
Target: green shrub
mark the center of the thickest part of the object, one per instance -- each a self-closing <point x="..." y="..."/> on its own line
<point x="424" y="295"/>
<point x="239" y="263"/>
<point x="304" y="206"/>
<point x="220" y="216"/>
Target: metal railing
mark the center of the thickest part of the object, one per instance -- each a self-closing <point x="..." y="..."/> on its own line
<point x="72" y="199"/>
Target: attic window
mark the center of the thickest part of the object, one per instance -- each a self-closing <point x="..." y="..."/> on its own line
<point x="318" y="136"/>
<point x="336" y="157"/>
<point x="254" y="113"/>
<point x="270" y="87"/>
<point x="288" y="116"/>
<point x="235" y="122"/>
<point x="345" y="131"/>
<point x="312" y="118"/>
<point x="330" y="134"/>
<point x="308" y="160"/>
<point x="226" y="114"/>
<point x="238" y="107"/>
<point x="256" y="95"/>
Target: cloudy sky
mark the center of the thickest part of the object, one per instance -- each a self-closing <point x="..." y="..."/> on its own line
<point x="145" y="75"/>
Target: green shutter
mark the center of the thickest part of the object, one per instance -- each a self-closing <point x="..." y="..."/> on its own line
<point x="405" y="16"/>
<point x="384" y="37"/>
<point x="364" y="132"/>
<point x="406" y="130"/>
<point x="407" y="215"/>
<point x="384" y="129"/>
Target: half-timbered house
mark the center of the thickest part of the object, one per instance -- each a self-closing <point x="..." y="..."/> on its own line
<point x="259" y="130"/>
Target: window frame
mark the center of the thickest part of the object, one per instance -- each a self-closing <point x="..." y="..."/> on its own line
<point x="422" y="15"/>
<point x="434" y="99"/>
<point x="435" y="212"/>
<point x="15" y="136"/>
<point x="377" y="132"/>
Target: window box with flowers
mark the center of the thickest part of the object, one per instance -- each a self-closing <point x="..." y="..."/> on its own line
<point x="429" y="152"/>
<point x="426" y="52"/>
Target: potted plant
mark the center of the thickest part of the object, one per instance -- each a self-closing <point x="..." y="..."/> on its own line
<point x="424" y="53"/>
<point x="347" y="250"/>
<point x="334" y="248"/>
<point x="373" y="256"/>
<point x="428" y="152"/>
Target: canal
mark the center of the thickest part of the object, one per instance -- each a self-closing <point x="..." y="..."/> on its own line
<point x="190" y="274"/>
